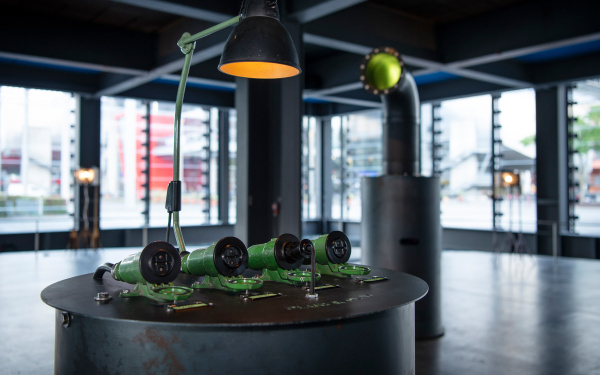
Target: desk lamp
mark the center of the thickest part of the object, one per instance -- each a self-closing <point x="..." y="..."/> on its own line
<point x="258" y="47"/>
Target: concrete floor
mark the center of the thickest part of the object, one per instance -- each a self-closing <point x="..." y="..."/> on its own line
<point x="503" y="314"/>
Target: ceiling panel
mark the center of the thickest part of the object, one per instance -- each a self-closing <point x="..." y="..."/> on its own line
<point x="445" y="10"/>
<point x="454" y="47"/>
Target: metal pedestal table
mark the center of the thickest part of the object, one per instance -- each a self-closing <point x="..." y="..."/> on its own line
<point x="354" y="328"/>
<point x="401" y="230"/>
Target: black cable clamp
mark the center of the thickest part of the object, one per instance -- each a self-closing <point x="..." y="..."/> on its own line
<point x="173" y="202"/>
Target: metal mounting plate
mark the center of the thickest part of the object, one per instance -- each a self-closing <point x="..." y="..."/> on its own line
<point x="351" y="299"/>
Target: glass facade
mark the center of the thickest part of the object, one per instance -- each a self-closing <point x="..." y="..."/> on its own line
<point x="232" y="166"/>
<point x="586" y="157"/>
<point x="121" y="164"/>
<point x="37" y="133"/>
<point x="311" y="169"/>
<point x="464" y="146"/>
<point x="355" y="153"/>
<point x="463" y="152"/>
<point x="38" y="149"/>
<point x="128" y="163"/>
<point x="426" y="154"/>
<point x="517" y="118"/>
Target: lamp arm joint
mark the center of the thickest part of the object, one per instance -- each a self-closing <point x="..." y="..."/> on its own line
<point x="186" y="48"/>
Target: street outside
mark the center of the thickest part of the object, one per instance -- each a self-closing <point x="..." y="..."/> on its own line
<point x="455" y="214"/>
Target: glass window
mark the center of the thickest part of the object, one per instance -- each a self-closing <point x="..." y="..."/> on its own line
<point x="587" y="156"/>
<point x="123" y="162"/>
<point x="336" y="166"/>
<point x="198" y="165"/>
<point x="517" y="118"/>
<point x="232" y="166"/>
<point x="363" y="157"/>
<point x="465" y="149"/>
<point x="426" y="140"/>
<point x="356" y="153"/>
<point x="36" y="134"/>
<point x="311" y="186"/>
<point x="121" y="167"/>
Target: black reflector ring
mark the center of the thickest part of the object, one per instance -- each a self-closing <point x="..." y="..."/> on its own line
<point x="160" y="263"/>
<point x="230" y="256"/>
<point x="284" y="246"/>
<point x="337" y="247"/>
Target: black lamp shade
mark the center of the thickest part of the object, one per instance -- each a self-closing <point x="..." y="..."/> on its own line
<point x="260" y="47"/>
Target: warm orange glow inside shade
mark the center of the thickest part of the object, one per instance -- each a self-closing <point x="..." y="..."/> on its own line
<point x="257" y="69"/>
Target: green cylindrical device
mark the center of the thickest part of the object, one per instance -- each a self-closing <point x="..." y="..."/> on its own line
<point x="286" y="252"/>
<point x="158" y="263"/>
<point x="332" y="248"/>
<point x="227" y="257"/>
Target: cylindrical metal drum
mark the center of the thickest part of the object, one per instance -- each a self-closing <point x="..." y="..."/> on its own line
<point x="353" y="327"/>
<point x="376" y="344"/>
<point x="401" y="231"/>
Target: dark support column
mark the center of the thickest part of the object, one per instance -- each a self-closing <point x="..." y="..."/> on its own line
<point x="551" y="165"/>
<point x="223" y="181"/>
<point x="88" y="119"/>
<point x="269" y="114"/>
<point x="327" y="167"/>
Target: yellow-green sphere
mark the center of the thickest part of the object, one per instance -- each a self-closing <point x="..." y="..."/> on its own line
<point x="383" y="71"/>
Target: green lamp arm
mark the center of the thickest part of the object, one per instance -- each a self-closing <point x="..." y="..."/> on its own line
<point x="188" y="39"/>
<point x="187" y="43"/>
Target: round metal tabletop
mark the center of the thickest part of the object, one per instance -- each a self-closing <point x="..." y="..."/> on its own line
<point x="344" y="298"/>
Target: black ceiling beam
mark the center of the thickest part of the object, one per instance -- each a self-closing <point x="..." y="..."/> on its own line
<point x="358" y="103"/>
<point x="517" y="28"/>
<point x="210" y="47"/>
<point x="566" y="70"/>
<point x="339" y="69"/>
<point x="67" y="64"/>
<point x="334" y="74"/>
<point x="362" y="94"/>
<point x="167" y="48"/>
<point x="36" y="77"/>
<point x="170" y="59"/>
<point x="212" y="11"/>
<point x="369" y="25"/>
<point x="68" y="40"/>
<point x="193" y="95"/>
<point x="510" y="69"/>
<point x="209" y="70"/>
<point x="314" y="9"/>
<point x="456" y="88"/>
<point x="329" y="109"/>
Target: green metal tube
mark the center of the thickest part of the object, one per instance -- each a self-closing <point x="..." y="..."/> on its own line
<point x="262" y="256"/>
<point x="210" y="30"/>
<point x="177" y="231"/>
<point x="158" y="263"/>
<point x="333" y="248"/>
<point x="320" y="249"/>
<point x="178" y="104"/>
<point x="128" y="270"/>
<point x="187" y="45"/>
<point x="177" y="140"/>
<point x="283" y="252"/>
<point x="227" y="257"/>
<point x="200" y="262"/>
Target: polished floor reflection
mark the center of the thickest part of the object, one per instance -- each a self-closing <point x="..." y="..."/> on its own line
<point x="503" y="314"/>
<point x="516" y="314"/>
